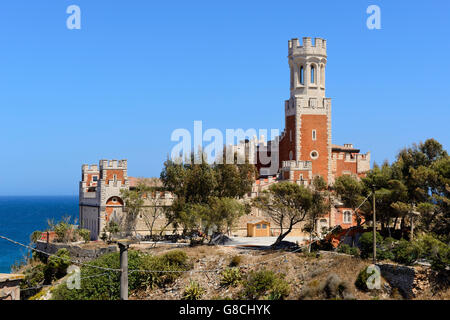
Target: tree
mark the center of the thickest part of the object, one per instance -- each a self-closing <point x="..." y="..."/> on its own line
<point x="287" y="204"/>
<point x="134" y="202"/>
<point x="350" y="190"/>
<point x="222" y="213"/>
<point x="206" y="195"/>
<point x="320" y="206"/>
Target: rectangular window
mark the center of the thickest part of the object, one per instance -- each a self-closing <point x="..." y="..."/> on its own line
<point x="264" y="226"/>
<point x="258" y="226"/>
<point x="94" y="178"/>
<point x="314" y="134"/>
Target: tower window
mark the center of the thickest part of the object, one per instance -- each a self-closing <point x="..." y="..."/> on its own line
<point x="314" y="134"/>
<point x="313" y="74"/>
<point x="314" y="154"/>
<point x="301" y="75"/>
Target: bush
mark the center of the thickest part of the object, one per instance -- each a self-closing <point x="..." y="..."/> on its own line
<point x="100" y="285"/>
<point x="265" y="284"/>
<point x="406" y="252"/>
<point x="435" y="251"/>
<point x="361" y="280"/>
<point x="231" y="277"/>
<point x="57" y="265"/>
<point x="84" y="234"/>
<point x="345" y="248"/>
<point x="366" y="244"/>
<point x="193" y="291"/>
<point x="35" y="236"/>
<point x="235" y="261"/>
<point x="331" y="288"/>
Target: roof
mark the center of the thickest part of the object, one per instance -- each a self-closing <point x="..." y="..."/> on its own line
<point x="153" y="182"/>
<point x="346" y="148"/>
<point x="258" y="221"/>
<point x="10" y="277"/>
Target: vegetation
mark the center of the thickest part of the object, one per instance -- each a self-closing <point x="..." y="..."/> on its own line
<point x="345" y="248"/>
<point x="231" y="277"/>
<point x="361" y="280"/>
<point x="287" y="204"/>
<point x="193" y="291"/>
<point x="265" y="284"/>
<point x="330" y="288"/>
<point x="100" y="285"/>
<point x="235" y="261"/>
<point x="207" y="196"/>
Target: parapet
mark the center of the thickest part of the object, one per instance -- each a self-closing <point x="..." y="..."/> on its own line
<point x="308" y="48"/>
<point x="113" y="164"/>
<point x="86" y="168"/>
<point x="296" y="165"/>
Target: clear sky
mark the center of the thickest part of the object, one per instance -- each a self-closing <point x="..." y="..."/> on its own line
<point x="137" y="70"/>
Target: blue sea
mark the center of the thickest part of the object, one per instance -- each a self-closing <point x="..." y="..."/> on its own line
<point x="20" y="216"/>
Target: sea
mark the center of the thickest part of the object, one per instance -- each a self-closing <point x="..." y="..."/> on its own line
<point x="21" y="215"/>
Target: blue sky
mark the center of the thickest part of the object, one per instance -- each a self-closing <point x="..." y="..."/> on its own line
<point x="137" y="70"/>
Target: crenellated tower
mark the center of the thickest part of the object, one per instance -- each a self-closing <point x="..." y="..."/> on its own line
<point x="307" y="137"/>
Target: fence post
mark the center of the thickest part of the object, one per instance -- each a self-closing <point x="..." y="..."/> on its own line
<point x="124" y="270"/>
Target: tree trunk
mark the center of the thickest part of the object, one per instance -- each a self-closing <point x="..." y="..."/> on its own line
<point x="282" y="236"/>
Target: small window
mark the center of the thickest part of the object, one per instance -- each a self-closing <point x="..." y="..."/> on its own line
<point x="314" y="134"/>
<point x="313" y="74"/>
<point x="314" y="154"/>
<point x="264" y="226"/>
<point x="347" y="217"/>
<point x="258" y="226"/>
<point x="301" y="76"/>
<point x="94" y="178"/>
<point x="114" y="199"/>
<point x="290" y="135"/>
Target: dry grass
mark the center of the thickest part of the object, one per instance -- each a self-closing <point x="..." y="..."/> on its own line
<point x="300" y="269"/>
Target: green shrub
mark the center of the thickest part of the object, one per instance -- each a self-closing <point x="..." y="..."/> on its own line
<point x="235" y="261"/>
<point x="85" y="234"/>
<point x="193" y="291"/>
<point x="231" y="277"/>
<point x="435" y="251"/>
<point x="361" y="280"/>
<point x="34" y="276"/>
<point x="345" y="248"/>
<point x="406" y="252"/>
<point x="366" y="243"/>
<point x="57" y="265"/>
<point x="265" y="284"/>
<point x="107" y="285"/>
<point x="35" y="236"/>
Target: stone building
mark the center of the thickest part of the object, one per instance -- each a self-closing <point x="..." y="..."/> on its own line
<point x="303" y="151"/>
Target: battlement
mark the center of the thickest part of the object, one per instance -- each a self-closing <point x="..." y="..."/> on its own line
<point x="86" y="168"/>
<point x="308" y="48"/>
<point x="297" y="165"/>
<point x="113" y="164"/>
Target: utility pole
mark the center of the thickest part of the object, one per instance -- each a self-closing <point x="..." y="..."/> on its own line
<point x="374" y="227"/>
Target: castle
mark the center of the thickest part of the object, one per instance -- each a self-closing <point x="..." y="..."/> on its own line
<point x="303" y="151"/>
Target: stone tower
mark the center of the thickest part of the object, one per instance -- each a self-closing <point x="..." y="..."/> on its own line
<point x="306" y="140"/>
<point x="100" y="194"/>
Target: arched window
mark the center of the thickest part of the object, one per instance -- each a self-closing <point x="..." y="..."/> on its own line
<point x="301" y="75"/>
<point x="313" y="74"/>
